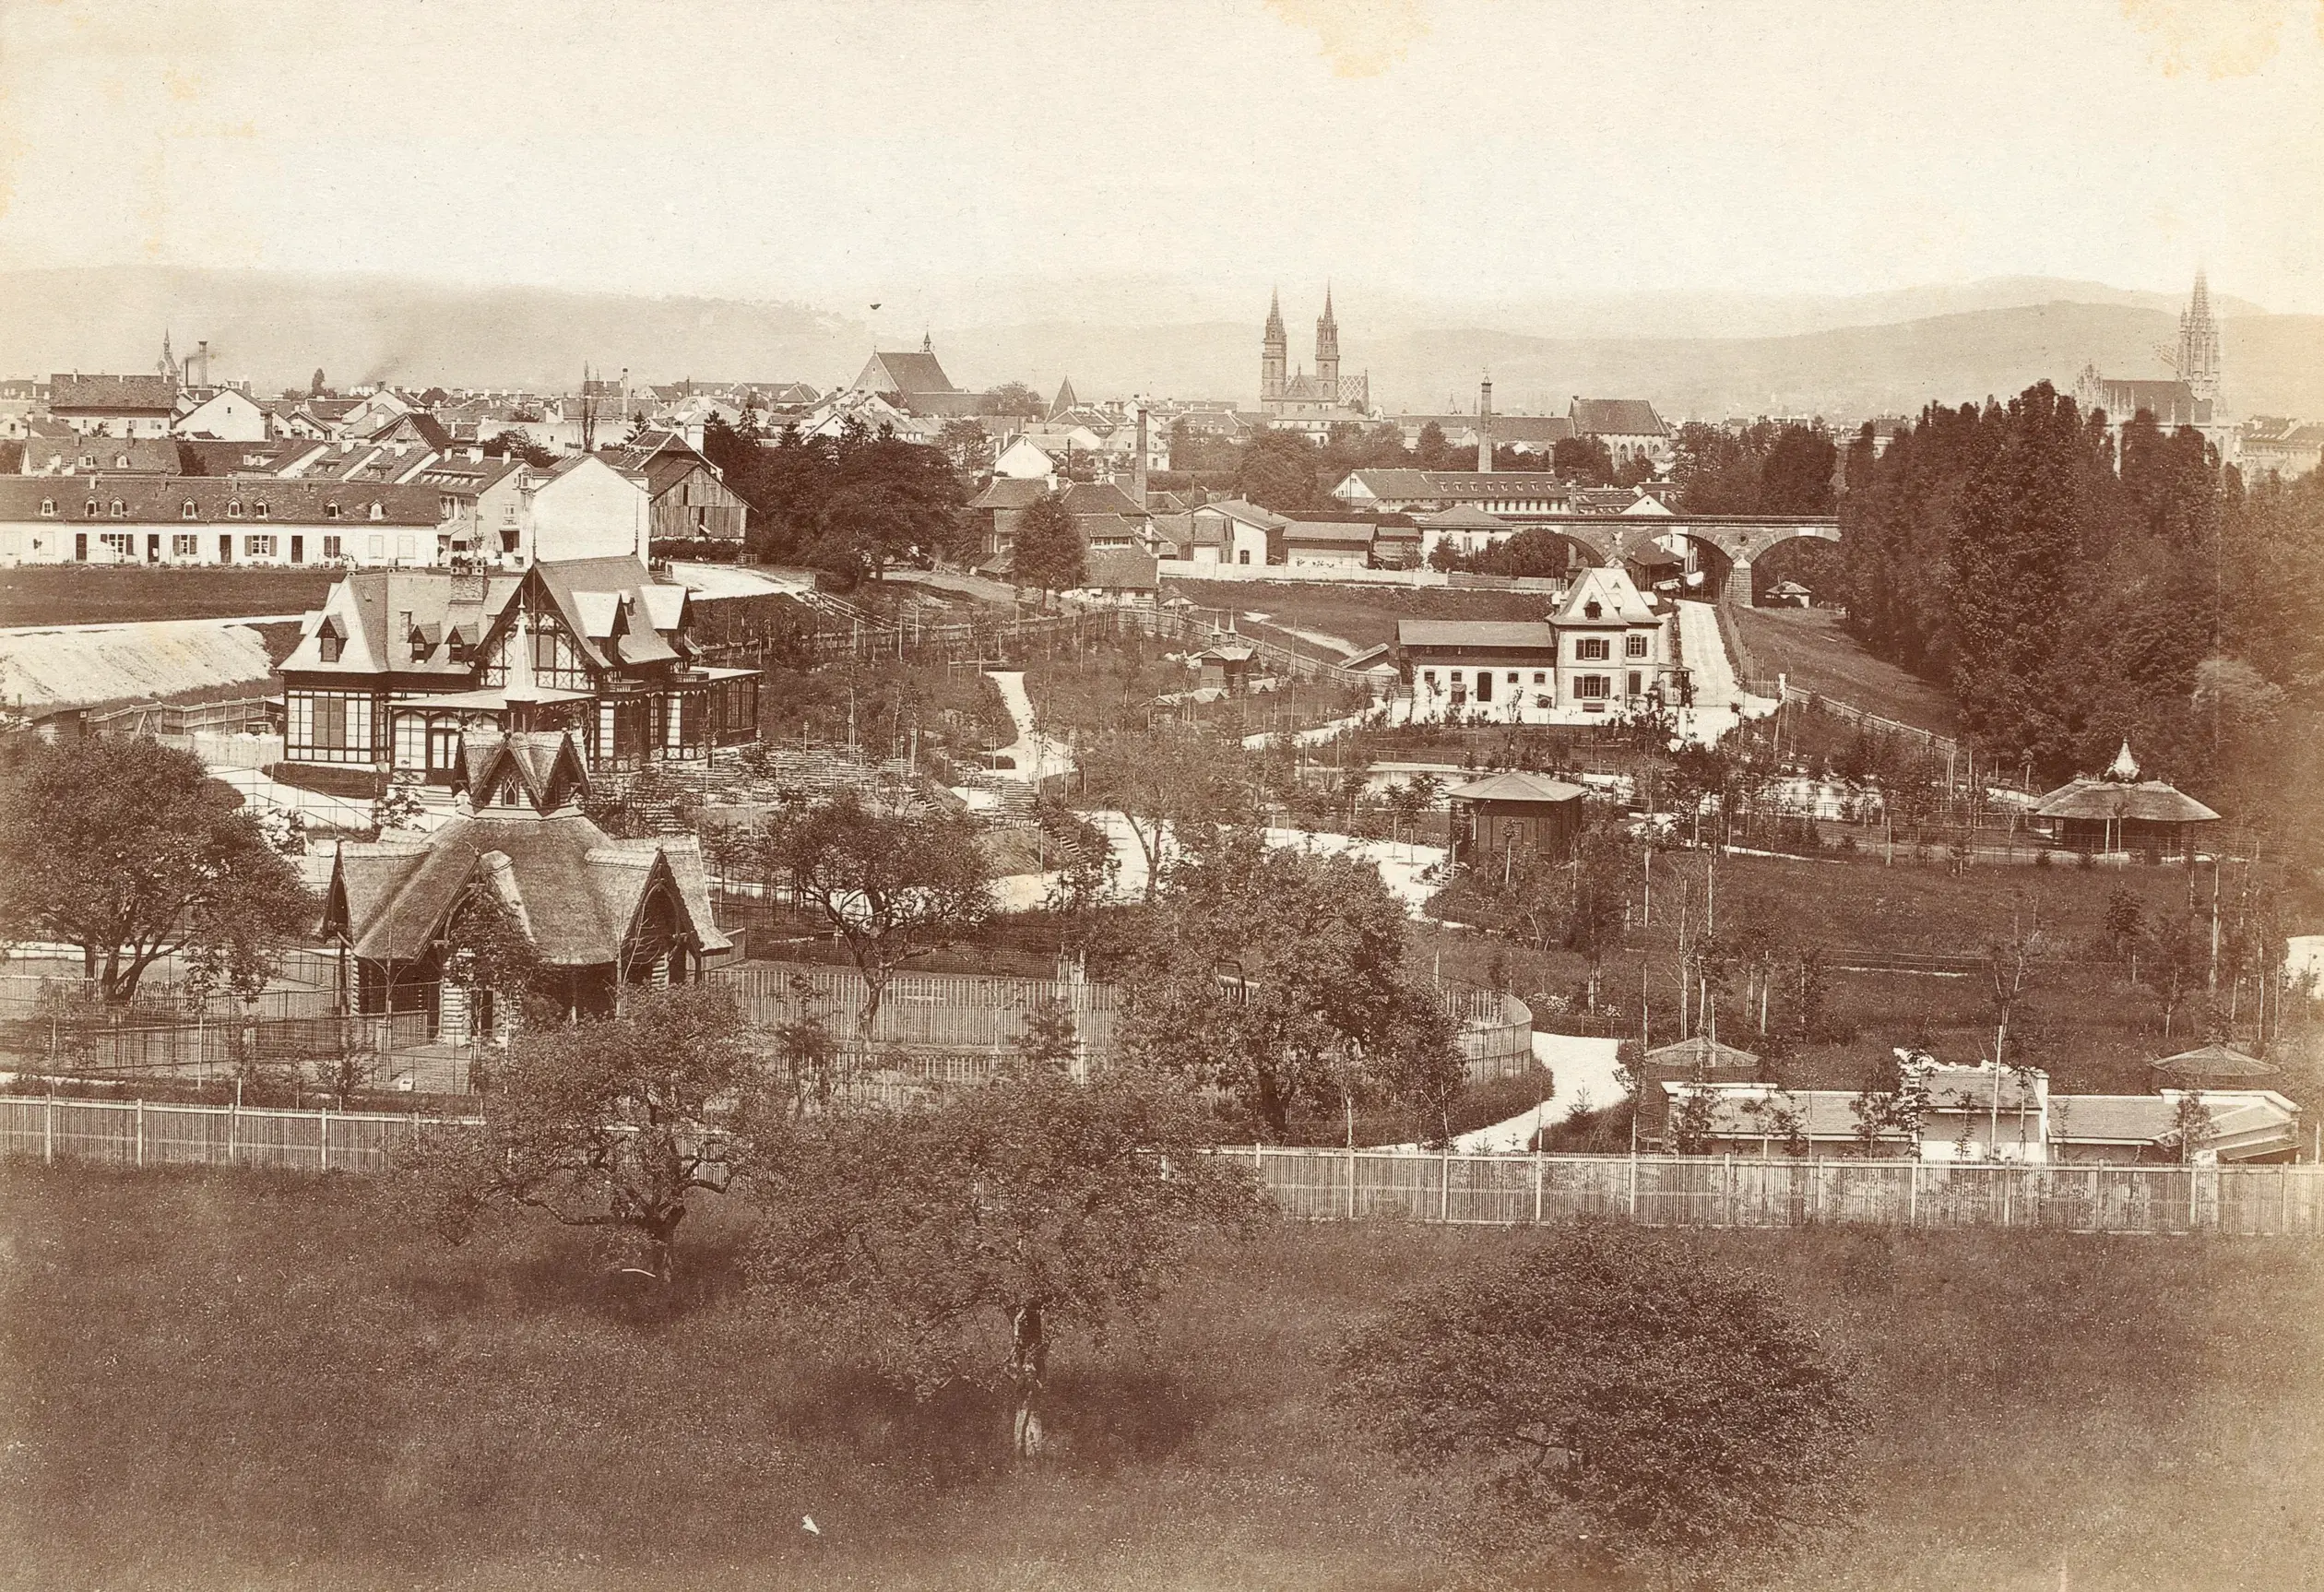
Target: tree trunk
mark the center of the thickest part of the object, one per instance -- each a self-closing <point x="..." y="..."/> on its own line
<point x="1027" y="1372"/>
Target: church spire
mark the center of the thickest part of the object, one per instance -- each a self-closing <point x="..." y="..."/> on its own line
<point x="1327" y="356"/>
<point x="2198" y="361"/>
<point x="1274" y="352"/>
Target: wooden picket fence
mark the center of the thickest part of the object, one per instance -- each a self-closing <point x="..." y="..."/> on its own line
<point x="153" y="1133"/>
<point x="2277" y="1201"/>
<point x="1704" y="1192"/>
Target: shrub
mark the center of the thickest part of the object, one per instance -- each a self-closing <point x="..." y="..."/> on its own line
<point x="1613" y="1404"/>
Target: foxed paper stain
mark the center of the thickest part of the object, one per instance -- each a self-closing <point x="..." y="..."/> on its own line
<point x="1359" y="38"/>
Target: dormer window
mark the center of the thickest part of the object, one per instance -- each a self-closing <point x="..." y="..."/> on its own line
<point x="1593" y="608"/>
<point x="329" y="646"/>
<point x="330" y="511"/>
<point x="48" y="508"/>
<point x="186" y="509"/>
<point x="91" y="508"/>
<point x="118" y="511"/>
<point x="377" y="512"/>
<point x="87" y="460"/>
<point x="121" y="461"/>
<point x="260" y="511"/>
<point x="233" y="508"/>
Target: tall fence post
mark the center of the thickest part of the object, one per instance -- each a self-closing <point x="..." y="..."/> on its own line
<point x="1633" y="1185"/>
<point x="324" y="1133"/>
<point x="233" y="1124"/>
<point x="48" y="1131"/>
<point x="1444" y="1185"/>
<point x="1912" y="1196"/>
<point x="1537" y="1188"/>
<point x="141" y="1130"/>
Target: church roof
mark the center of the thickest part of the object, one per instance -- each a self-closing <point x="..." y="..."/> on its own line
<point x="1616" y="417"/>
<point x="1066" y="402"/>
<point x="912" y="373"/>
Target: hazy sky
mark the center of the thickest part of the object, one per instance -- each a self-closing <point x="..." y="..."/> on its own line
<point x="1476" y="151"/>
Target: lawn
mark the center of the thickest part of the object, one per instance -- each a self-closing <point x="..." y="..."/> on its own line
<point x="226" y="1378"/>
<point x="1808" y="647"/>
<point x="54" y="594"/>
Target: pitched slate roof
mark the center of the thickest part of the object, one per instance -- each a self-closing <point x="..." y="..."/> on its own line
<point x="1006" y="492"/>
<point x="1393" y="483"/>
<point x="1612" y="590"/>
<point x="1496" y="634"/>
<point x="1512" y="785"/>
<point x="77" y="455"/>
<point x="1120" y="569"/>
<point x="224" y="458"/>
<point x="576" y="891"/>
<point x="1237" y="508"/>
<point x="115" y="395"/>
<point x="912" y="373"/>
<point x="366" y="604"/>
<point x="1330" y="533"/>
<point x="2215" y="1061"/>
<point x="238" y="500"/>
<point x="1099" y="497"/>
<point x="1616" y="417"/>
<point x="625" y="579"/>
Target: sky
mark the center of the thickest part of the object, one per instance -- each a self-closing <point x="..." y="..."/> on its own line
<point x="1175" y="156"/>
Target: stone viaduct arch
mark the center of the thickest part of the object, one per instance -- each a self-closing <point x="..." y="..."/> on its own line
<point x="1724" y="545"/>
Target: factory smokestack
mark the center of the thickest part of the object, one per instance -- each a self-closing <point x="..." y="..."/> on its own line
<point x="1485" y="425"/>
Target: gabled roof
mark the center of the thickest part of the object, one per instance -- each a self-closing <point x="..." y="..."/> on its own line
<point x="1326" y="533"/>
<point x="911" y="375"/>
<point x="1234" y="509"/>
<point x="1616" y="417"/>
<point x="1495" y="635"/>
<point x="1119" y="569"/>
<point x="1613" y="593"/>
<point x="1464" y="516"/>
<point x="546" y="767"/>
<point x="1512" y="785"/>
<point x="1083" y="498"/>
<point x="1006" y="492"/>
<point x="113" y="394"/>
<point x="235" y="500"/>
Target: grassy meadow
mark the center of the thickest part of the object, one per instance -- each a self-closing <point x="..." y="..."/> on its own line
<point x="230" y="1379"/>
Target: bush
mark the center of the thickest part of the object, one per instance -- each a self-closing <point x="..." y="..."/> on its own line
<point x="1613" y="1404"/>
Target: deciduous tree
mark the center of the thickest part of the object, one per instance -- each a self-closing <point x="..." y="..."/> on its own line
<point x="130" y="852"/>
<point x="958" y="1241"/>
<point x="614" y="1123"/>
<point x="891" y="885"/>
<point x="1050" y="554"/>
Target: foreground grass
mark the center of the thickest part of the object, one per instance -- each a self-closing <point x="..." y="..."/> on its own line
<point x="214" y="1379"/>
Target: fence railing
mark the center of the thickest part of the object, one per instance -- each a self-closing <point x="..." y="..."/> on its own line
<point x="103" y="1048"/>
<point x="1732" y="1191"/>
<point x="1848" y="713"/>
<point x="1339" y="1186"/>
<point x="146" y="1133"/>
<point x="929" y="1010"/>
<point x="1496" y="1032"/>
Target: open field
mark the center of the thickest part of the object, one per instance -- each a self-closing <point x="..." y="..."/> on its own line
<point x="214" y="1379"/>
<point x="1807" y="646"/>
<point x="66" y="595"/>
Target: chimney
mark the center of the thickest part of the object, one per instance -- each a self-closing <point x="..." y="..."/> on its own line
<point x="1485" y="425"/>
<point x="1138" y="471"/>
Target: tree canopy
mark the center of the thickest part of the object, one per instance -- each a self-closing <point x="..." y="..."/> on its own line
<point x="891" y="885"/>
<point x="1614" y="1403"/>
<point x="852" y="505"/>
<point x="609" y="1123"/>
<point x="1277" y="974"/>
<point x="129" y="851"/>
<point x="953" y="1241"/>
<point x="1049" y="553"/>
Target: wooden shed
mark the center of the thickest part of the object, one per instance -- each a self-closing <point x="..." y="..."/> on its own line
<point x="1507" y="816"/>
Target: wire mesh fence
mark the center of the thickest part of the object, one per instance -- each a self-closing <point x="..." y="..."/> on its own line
<point x="1733" y="1192"/>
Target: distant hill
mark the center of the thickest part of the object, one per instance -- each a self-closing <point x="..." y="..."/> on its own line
<point x="1848" y="356"/>
<point x="2275" y="363"/>
<point x="276" y="328"/>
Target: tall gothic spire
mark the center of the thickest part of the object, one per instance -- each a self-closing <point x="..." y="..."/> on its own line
<point x="2198" y="361"/>
<point x="1274" y="314"/>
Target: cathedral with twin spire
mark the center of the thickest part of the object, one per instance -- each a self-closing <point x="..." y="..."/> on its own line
<point x="1302" y="401"/>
